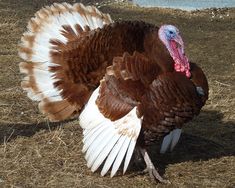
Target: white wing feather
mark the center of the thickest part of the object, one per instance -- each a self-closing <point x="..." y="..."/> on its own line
<point x="107" y="141"/>
<point x="105" y="152"/>
<point x="129" y="155"/>
<point x="170" y="140"/>
<point x="176" y="137"/>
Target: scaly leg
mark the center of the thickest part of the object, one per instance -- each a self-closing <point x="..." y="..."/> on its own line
<point x="150" y="167"/>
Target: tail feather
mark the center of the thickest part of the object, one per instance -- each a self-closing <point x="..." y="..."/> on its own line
<point x="38" y="82"/>
<point x="52" y="28"/>
<point x="56" y="110"/>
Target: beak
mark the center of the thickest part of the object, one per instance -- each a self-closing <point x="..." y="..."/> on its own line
<point x="180" y="42"/>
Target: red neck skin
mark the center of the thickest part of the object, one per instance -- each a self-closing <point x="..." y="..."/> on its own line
<point x="181" y="61"/>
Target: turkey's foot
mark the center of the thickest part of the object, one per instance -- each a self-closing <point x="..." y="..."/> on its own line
<point x="153" y="173"/>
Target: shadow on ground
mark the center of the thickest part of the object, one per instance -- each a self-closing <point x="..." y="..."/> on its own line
<point x="11" y="131"/>
<point x="196" y="147"/>
<point x="190" y="147"/>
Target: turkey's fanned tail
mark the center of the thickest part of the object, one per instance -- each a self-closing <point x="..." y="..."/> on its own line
<point x="49" y="33"/>
<point x="108" y="142"/>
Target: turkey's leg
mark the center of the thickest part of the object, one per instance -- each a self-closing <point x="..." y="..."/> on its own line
<point x="150" y="167"/>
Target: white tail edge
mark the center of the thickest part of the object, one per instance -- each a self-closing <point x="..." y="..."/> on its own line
<point x="48" y="24"/>
<point x="108" y="142"/>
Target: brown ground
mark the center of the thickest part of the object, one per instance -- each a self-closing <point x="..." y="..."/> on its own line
<point x="36" y="153"/>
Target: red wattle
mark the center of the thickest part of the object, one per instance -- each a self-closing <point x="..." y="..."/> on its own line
<point x="181" y="61"/>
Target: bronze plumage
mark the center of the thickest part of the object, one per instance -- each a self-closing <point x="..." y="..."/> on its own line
<point x="135" y="65"/>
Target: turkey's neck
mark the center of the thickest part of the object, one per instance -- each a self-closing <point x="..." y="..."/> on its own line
<point x="138" y="36"/>
<point x="128" y="36"/>
<point x="135" y="35"/>
<point x="157" y="51"/>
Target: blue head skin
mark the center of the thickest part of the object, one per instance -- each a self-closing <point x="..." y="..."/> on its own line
<point x="171" y="38"/>
<point x="171" y="32"/>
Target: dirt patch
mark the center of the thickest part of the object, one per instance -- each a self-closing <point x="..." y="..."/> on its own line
<point x="36" y="153"/>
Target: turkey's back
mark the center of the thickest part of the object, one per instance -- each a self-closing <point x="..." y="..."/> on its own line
<point x="89" y="55"/>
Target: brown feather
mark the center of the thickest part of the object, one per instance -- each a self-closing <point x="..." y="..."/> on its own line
<point x="146" y="78"/>
<point x="124" y="84"/>
<point x="199" y="79"/>
<point x="111" y="106"/>
<point x="84" y="58"/>
<point x="171" y="101"/>
<point x="29" y="81"/>
<point x="57" y="110"/>
<point x="72" y="84"/>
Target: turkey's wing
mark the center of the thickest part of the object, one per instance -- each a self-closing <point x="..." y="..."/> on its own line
<point x="171" y="100"/>
<point x="125" y="82"/>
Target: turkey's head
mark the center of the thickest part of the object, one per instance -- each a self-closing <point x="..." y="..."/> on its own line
<point x="171" y="38"/>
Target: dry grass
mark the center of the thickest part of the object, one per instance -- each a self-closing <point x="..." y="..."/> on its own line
<point x="35" y="153"/>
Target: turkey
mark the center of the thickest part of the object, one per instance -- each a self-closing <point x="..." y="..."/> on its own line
<point x="130" y="82"/>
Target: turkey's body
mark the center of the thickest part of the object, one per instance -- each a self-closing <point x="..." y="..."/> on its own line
<point x="129" y="80"/>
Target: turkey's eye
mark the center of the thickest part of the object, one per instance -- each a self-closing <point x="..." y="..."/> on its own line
<point x="171" y="32"/>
